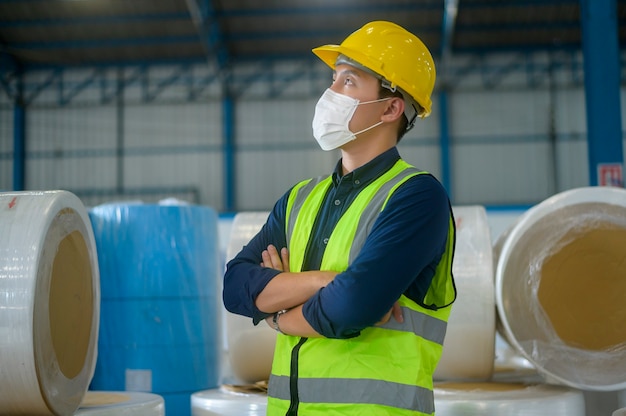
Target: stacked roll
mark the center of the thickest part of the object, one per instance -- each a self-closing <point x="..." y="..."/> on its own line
<point x="227" y="401"/>
<point x="49" y="302"/>
<point x="469" y="346"/>
<point x="110" y="403"/>
<point x="507" y="399"/>
<point x="250" y="348"/>
<point x="621" y="400"/>
<point x="468" y="352"/>
<point x="560" y="280"/>
<point x="160" y="327"/>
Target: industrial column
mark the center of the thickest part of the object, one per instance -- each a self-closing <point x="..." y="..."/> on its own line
<point x="602" y="92"/>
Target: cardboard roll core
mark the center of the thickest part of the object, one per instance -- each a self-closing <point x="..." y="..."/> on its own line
<point x="560" y="280"/>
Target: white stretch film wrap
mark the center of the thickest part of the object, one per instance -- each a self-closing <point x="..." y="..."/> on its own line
<point x="109" y="403"/>
<point x="223" y="402"/>
<point x="49" y="303"/>
<point x="250" y="348"/>
<point x="469" y="346"/>
<point x="495" y="399"/>
<point x="620" y="412"/>
<point x="469" y="349"/>
<point x="567" y="253"/>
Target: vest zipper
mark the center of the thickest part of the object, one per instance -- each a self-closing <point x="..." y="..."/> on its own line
<point x="293" y="379"/>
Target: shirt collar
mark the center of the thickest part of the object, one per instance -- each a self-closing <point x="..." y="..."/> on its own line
<point x="371" y="170"/>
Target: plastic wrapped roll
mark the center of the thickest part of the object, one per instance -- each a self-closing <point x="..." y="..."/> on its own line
<point x="560" y="281"/>
<point x="507" y="399"/>
<point x="110" y="403"/>
<point x="620" y="412"/>
<point x="250" y="348"/>
<point x="468" y="349"/>
<point x="49" y="303"/>
<point x="160" y="327"/>
<point x="226" y="402"/>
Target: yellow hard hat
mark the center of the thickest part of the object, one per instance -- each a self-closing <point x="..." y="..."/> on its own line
<point x="392" y="52"/>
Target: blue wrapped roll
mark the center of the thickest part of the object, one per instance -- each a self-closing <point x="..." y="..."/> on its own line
<point x="159" y="318"/>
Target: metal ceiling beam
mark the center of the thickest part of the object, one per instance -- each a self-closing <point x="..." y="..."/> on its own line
<point x="9" y="68"/>
<point x="329" y="10"/>
<point x="278" y="35"/>
<point x="159" y="86"/>
<point x="450" y="11"/>
<point x="196" y="79"/>
<point x="474" y="27"/>
<point x="206" y="20"/>
<point x="490" y="4"/>
<point x="92" y="20"/>
<point x="103" y="43"/>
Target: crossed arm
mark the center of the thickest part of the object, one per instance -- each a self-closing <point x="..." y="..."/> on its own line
<point x="289" y="290"/>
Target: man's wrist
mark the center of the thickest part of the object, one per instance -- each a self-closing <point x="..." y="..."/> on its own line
<point x="275" y="319"/>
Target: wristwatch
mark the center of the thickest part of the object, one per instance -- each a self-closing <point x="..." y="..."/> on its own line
<point x="275" y="320"/>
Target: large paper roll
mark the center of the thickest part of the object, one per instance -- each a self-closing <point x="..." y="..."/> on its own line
<point x="468" y="349"/>
<point x="507" y="399"/>
<point x="250" y="348"/>
<point x="112" y="403"/>
<point x="560" y="284"/>
<point x="226" y="402"/>
<point x="49" y="303"/>
<point x="160" y="327"/>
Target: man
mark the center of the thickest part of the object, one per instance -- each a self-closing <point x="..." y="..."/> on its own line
<point x="354" y="270"/>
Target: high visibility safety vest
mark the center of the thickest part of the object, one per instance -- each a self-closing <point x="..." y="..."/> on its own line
<point x="386" y="370"/>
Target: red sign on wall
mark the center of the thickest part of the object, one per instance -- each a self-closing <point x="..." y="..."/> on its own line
<point x="610" y="174"/>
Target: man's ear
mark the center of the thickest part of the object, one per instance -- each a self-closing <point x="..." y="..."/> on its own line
<point x="394" y="110"/>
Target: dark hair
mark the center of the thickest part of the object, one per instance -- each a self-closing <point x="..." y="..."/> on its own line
<point x="386" y="93"/>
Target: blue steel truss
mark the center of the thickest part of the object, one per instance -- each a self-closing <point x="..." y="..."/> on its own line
<point x="271" y="74"/>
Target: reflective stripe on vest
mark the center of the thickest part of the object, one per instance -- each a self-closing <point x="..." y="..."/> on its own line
<point x="361" y="373"/>
<point x="334" y="390"/>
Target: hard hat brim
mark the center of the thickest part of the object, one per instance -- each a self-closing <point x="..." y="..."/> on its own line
<point x="329" y="53"/>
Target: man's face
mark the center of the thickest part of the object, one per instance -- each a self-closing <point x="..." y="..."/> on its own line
<point x="355" y="83"/>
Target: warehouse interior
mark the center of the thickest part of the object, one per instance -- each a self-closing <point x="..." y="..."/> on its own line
<point x="172" y="127"/>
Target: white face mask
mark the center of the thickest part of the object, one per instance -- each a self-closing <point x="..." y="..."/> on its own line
<point x="333" y="113"/>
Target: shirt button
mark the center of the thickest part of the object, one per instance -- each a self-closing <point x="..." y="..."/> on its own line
<point x="357" y="182"/>
<point x="326" y="241"/>
<point x="337" y="202"/>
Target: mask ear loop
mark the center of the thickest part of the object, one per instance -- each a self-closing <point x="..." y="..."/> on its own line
<point x="376" y="124"/>
<point x="374" y="101"/>
<point x="368" y="128"/>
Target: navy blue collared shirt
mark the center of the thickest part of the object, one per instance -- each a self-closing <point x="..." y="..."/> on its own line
<point x="399" y="256"/>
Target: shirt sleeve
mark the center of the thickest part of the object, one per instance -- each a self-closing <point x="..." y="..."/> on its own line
<point x="399" y="257"/>
<point x="244" y="278"/>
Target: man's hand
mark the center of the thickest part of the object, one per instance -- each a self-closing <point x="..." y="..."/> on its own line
<point x="274" y="260"/>
<point x="395" y="311"/>
<point x="288" y="289"/>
